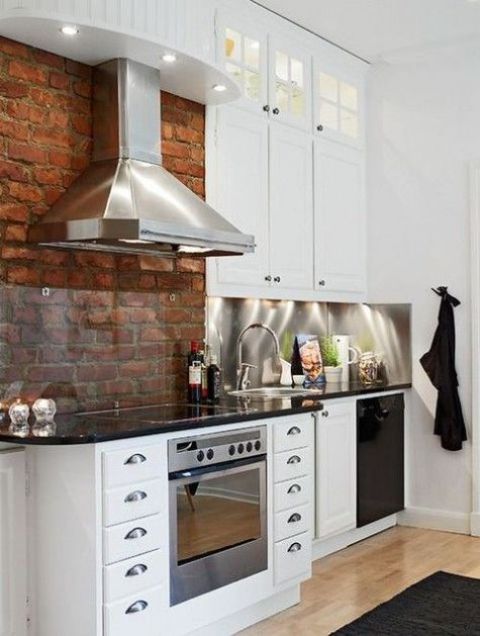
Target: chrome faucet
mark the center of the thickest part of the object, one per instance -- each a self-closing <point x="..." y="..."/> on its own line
<point x="243" y="368"/>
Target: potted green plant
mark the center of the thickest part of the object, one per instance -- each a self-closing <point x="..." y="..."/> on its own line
<point x="331" y="360"/>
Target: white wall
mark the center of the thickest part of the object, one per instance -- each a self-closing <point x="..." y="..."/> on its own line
<point x="424" y="128"/>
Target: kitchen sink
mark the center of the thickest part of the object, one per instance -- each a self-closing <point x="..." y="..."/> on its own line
<point x="272" y="393"/>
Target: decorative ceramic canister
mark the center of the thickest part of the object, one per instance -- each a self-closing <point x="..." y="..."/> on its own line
<point x="44" y="410"/>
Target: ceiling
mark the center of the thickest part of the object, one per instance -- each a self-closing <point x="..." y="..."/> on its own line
<point x="378" y="29"/>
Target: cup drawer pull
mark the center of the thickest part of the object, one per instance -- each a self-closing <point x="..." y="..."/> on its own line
<point x="133" y="497"/>
<point x="295" y="518"/>
<point x="294" y="489"/>
<point x="137" y="570"/>
<point x="295" y="459"/>
<point x="294" y="431"/>
<point x="139" y="606"/>
<point x="138" y="458"/>
<point x="136" y="533"/>
<point x="295" y="547"/>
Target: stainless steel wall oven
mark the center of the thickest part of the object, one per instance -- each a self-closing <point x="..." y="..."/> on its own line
<point x="218" y="510"/>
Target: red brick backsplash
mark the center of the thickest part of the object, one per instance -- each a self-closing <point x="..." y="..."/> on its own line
<point x="45" y="143"/>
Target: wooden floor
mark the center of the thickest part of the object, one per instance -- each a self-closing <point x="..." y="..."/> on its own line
<point x="351" y="582"/>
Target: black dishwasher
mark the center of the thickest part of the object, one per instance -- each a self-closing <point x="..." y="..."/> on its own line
<point x="380" y="458"/>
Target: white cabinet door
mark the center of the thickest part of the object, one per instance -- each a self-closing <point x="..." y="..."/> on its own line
<point x="242" y="192"/>
<point x="339" y="103"/>
<point x="13" y="593"/>
<point x="242" y="52"/>
<point x="340" y="232"/>
<point x="291" y="208"/>
<point x="289" y="83"/>
<point x="336" y="471"/>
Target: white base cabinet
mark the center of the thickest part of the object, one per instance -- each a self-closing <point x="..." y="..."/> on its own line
<point x="336" y="468"/>
<point x="13" y="564"/>
<point x="100" y="537"/>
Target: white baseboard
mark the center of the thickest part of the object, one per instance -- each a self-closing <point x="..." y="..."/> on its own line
<point x="324" y="547"/>
<point x="475" y="524"/>
<point x="432" y="519"/>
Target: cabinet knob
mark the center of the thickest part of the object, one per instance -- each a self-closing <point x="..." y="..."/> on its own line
<point x="137" y="533"/>
<point x="133" y="497"/>
<point x="136" y="570"/>
<point x="138" y="458"/>
<point x="325" y="413"/>
<point x="139" y="606"/>
<point x="268" y="279"/>
<point x="295" y="547"/>
<point x="266" y="108"/>
<point x="277" y="279"/>
<point x="294" y="489"/>
<point x="320" y="128"/>
<point x="276" y="111"/>
<point x="322" y="283"/>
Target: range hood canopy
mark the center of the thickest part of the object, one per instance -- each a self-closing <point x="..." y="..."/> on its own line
<point x="125" y="201"/>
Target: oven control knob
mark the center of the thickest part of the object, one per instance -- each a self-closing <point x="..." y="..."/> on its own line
<point x="231" y="450"/>
<point x="210" y="453"/>
<point x="258" y="445"/>
<point x="240" y="449"/>
<point x="249" y="447"/>
<point x="200" y="456"/>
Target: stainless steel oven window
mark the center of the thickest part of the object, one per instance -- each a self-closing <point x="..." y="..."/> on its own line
<point x="218" y="527"/>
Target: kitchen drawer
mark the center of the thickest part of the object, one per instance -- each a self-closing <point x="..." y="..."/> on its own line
<point x="133" y="575"/>
<point x="135" y="537"/>
<point x="292" y="522"/>
<point x="132" y="501"/>
<point x="296" y="433"/>
<point x="140" y="614"/>
<point x="294" y="492"/>
<point x="291" y="464"/>
<point x="132" y="465"/>
<point x="293" y="558"/>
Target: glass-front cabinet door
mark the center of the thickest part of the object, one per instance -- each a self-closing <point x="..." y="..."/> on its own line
<point x="289" y="83"/>
<point x="338" y="108"/>
<point x="242" y="52"/>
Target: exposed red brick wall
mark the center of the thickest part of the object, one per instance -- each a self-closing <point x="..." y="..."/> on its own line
<point x="45" y="143"/>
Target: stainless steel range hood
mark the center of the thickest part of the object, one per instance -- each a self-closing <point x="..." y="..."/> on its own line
<point x="126" y="201"/>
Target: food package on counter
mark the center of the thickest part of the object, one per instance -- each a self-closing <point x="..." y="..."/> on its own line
<point x="311" y="358"/>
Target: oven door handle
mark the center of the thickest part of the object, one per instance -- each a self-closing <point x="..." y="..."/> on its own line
<point x="220" y="469"/>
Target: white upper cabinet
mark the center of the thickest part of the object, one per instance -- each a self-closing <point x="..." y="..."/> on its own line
<point x="338" y="112"/>
<point x="290" y="94"/>
<point x="340" y="232"/>
<point x="242" y="192"/>
<point x="291" y="220"/>
<point x="242" y="52"/>
<point x="293" y="173"/>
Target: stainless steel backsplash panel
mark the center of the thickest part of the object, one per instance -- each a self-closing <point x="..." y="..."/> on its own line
<point x="382" y="328"/>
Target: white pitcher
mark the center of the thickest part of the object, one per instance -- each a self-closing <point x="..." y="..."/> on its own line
<point x="347" y="354"/>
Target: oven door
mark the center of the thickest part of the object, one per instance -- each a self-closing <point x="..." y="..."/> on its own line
<point x="218" y="526"/>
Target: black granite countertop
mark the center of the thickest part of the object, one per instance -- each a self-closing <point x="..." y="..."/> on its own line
<point x="103" y="426"/>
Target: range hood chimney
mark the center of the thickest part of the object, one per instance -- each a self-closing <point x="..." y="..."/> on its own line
<point x="125" y="201"/>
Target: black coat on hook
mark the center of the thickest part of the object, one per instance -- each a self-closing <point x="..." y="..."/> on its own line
<point x="439" y="364"/>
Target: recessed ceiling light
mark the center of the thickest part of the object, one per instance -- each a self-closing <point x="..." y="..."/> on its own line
<point x="220" y="88"/>
<point x="69" y="29"/>
<point x="169" y="57"/>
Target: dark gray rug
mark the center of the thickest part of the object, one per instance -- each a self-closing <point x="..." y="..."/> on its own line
<point x="439" y="605"/>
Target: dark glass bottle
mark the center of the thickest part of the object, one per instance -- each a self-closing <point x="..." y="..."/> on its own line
<point x="214" y="380"/>
<point x="194" y="374"/>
